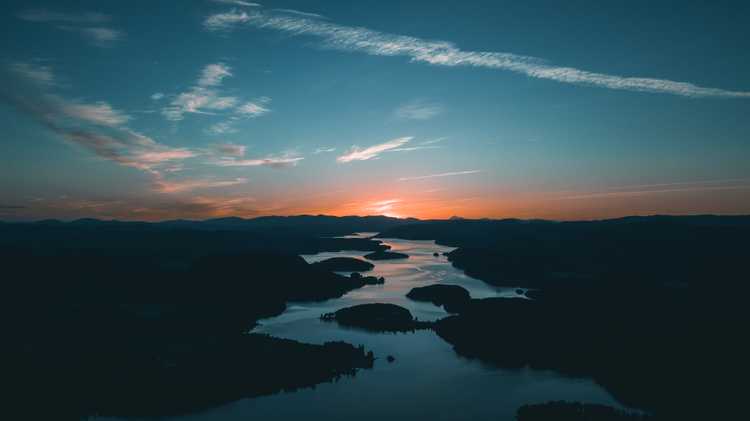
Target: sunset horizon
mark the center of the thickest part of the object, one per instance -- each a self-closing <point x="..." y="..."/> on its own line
<point x="418" y="210"/>
<point x="383" y="115"/>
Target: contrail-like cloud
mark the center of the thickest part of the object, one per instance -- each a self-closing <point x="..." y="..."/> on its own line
<point x="358" y="154"/>
<point x="662" y="188"/>
<point x="443" y="53"/>
<point x="445" y="174"/>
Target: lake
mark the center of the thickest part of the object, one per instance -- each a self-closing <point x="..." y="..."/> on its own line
<point x="427" y="380"/>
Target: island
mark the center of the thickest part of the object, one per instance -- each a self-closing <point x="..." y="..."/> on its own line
<point x="452" y="297"/>
<point x="377" y="317"/>
<point x="574" y="411"/>
<point x="345" y="264"/>
<point x="366" y="280"/>
<point x="386" y="255"/>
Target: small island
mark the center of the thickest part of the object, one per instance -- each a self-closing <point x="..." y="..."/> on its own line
<point x="453" y="298"/>
<point x="385" y="255"/>
<point x="561" y="410"/>
<point x="377" y="317"/>
<point x="345" y="264"/>
<point x="366" y="280"/>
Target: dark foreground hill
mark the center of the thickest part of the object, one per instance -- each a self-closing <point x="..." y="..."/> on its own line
<point x="145" y="320"/>
<point x="650" y="308"/>
<point x="650" y="250"/>
<point x="139" y="319"/>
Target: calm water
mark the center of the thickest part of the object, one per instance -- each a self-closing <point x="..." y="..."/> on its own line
<point x="427" y="381"/>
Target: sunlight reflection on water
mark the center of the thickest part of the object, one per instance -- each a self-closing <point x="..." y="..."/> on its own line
<point x="427" y="381"/>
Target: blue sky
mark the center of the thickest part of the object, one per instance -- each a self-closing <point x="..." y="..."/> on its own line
<point x="144" y="110"/>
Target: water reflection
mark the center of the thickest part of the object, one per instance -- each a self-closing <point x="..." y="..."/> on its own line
<point x="427" y="380"/>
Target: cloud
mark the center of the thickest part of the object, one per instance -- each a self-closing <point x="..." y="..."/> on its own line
<point x="26" y="86"/>
<point x="418" y="110"/>
<point x="41" y="75"/>
<point x="324" y="150"/>
<point x="270" y="161"/>
<point x="165" y="206"/>
<point x="230" y="150"/>
<point x="205" y="98"/>
<point x="213" y="74"/>
<point x="43" y="15"/>
<point x="99" y="36"/>
<point x="252" y="109"/>
<point x="97" y="128"/>
<point x="157" y="96"/>
<point x="224" y="21"/>
<point x="198" y="207"/>
<point x="200" y="98"/>
<point x="357" y="154"/>
<point x="662" y="188"/>
<point x="102" y="36"/>
<point x="383" y="207"/>
<point x="222" y="127"/>
<point x="164" y="186"/>
<point x="440" y="175"/>
<point x="300" y="13"/>
<point x="237" y="3"/>
<point x="443" y="53"/>
<point x="99" y="113"/>
<point x="433" y="141"/>
<point x="414" y="148"/>
<point x="127" y="148"/>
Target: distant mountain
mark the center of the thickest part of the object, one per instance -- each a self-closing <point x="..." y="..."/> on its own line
<point x="309" y="225"/>
<point x="322" y="225"/>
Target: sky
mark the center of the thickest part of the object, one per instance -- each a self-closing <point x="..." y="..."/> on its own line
<point x="141" y="110"/>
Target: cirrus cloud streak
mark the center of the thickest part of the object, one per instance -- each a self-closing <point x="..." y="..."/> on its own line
<point x="443" y="53"/>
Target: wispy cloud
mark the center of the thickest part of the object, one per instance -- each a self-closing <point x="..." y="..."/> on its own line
<point x="205" y="98"/>
<point x="662" y="188"/>
<point x="44" y="15"/>
<point x="324" y="150"/>
<point x="213" y="74"/>
<point x="99" y="113"/>
<point x="97" y="128"/>
<point x="224" y="21"/>
<point x="440" y="175"/>
<point x="200" y="206"/>
<point x="269" y="161"/>
<point x="157" y="96"/>
<point x="418" y="110"/>
<point x="237" y="3"/>
<point x="41" y="75"/>
<point x="230" y="150"/>
<point x="252" y="109"/>
<point x="98" y="35"/>
<point x="433" y="141"/>
<point x="443" y="53"/>
<point x="222" y="127"/>
<point x="414" y="148"/>
<point x="179" y="186"/>
<point x="358" y="154"/>
<point x="300" y="13"/>
<point x="166" y="206"/>
<point x="201" y="98"/>
<point x="384" y="207"/>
